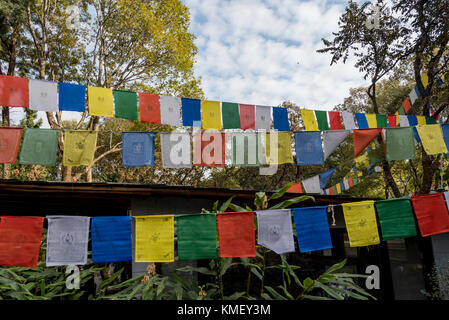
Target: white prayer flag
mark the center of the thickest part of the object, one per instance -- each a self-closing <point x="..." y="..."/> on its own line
<point x="43" y="95"/>
<point x="332" y="139"/>
<point x="67" y="240"/>
<point x="274" y="230"/>
<point x="176" y="150"/>
<point x="170" y="110"/>
<point x="413" y="96"/>
<point x="263" y="118"/>
<point x="312" y="185"/>
<point x="348" y="120"/>
<point x="403" y="121"/>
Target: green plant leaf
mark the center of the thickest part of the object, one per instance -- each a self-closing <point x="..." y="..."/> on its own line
<point x="287" y="203"/>
<point x="237" y="208"/>
<point x="225" y="205"/>
<point x="280" y="192"/>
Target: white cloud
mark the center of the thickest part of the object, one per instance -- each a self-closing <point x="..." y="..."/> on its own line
<point x="264" y="52"/>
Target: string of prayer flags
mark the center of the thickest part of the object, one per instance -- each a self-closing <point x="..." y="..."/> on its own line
<point x="72" y="97"/>
<point x="371" y="119"/>
<point x="280" y="119"/>
<point x="197" y="236"/>
<point x="432" y="139"/>
<point x="150" y="108"/>
<point x="211" y="115"/>
<point x="9" y="144"/>
<point x="396" y="218"/>
<point x="155" y="238"/>
<point x="308" y="118"/>
<point x="362" y="139"/>
<point x="20" y="241"/>
<point x="332" y="139"/>
<point x="171" y="109"/>
<point x="14" y="91"/>
<point x="312" y="229"/>
<point x="400" y="144"/>
<point x="392" y="120"/>
<point x="312" y="185"/>
<point x="361" y="223"/>
<point x="335" y="120"/>
<point x="39" y="147"/>
<point x="382" y="121"/>
<point x="280" y="152"/>
<point x="230" y="115"/>
<point x="43" y="95"/>
<point x="191" y="112"/>
<point x="325" y="177"/>
<point x="348" y="120"/>
<point x="247" y="116"/>
<point x="176" y="150"/>
<point x="209" y="149"/>
<point x="125" y="104"/>
<point x="79" y="147"/>
<point x="263" y="119"/>
<point x="362" y="122"/>
<point x="100" y="102"/>
<point x="67" y="240"/>
<point x="274" y="230"/>
<point x="111" y="239"/>
<point x="138" y="149"/>
<point x="321" y="118"/>
<point x="247" y="149"/>
<point x="308" y="148"/>
<point x="236" y="234"/>
<point x="432" y="213"/>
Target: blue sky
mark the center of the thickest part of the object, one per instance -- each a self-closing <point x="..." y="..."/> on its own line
<point x="264" y="52"/>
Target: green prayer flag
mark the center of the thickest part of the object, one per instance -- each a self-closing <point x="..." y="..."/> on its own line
<point x="197" y="236"/>
<point x="355" y="180"/>
<point x="400" y="143"/>
<point x="39" y="146"/>
<point x="382" y="120"/>
<point x="245" y="149"/>
<point x="334" y="190"/>
<point x="401" y="111"/>
<point x="230" y="115"/>
<point x="125" y="104"/>
<point x="430" y="120"/>
<point x="321" y="118"/>
<point x="396" y="218"/>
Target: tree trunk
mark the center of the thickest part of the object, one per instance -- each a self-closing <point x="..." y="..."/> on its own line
<point x="66" y="173"/>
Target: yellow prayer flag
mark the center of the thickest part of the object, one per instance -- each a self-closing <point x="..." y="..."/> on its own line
<point x="155" y="238"/>
<point x="79" y="148"/>
<point x="398" y="121"/>
<point x="432" y="139"/>
<point x="211" y="115"/>
<point x="308" y="118"/>
<point x="281" y="152"/>
<point x="361" y="223"/>
<point x="372" y="120"/>
<point x="100" y="102"/>
<point x="425" y="79"/>
<point x="421" y="120"/>
<point x="338" y="187"/>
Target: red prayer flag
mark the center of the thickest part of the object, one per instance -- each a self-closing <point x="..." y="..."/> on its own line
<point x="150" y="108"/>
<point x="362" y="138"/>
<point x="335" y="120"/>
<point x="350" y="182"/>
<point x="330" y="191"/>
<point x="211" y="144"/>
<point x="13" y="91"/>
<point x="296" y="188"/>
<point x="236" y="234"/>
<point x="9" y="144"/>
<point x="431" y="213"/>
<point x="407" y="105"/>
<point x="392" y="120"/>
<point x="247" y="116"/>
<point x="20" y="241"/>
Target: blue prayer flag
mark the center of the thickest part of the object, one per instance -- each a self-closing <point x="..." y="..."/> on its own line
<point x="440" y="81"/>
<point x="308" y="148"/>
<point x="138" y="149"/>
<point x="445" y="128"/>
<point x="72" y="97"/>
<point x="312" y="228"/>
<point x="417" y="90"/>
<point x="361" y="121"/>
<point x="342" y="186"/>
<point x="412" y="120"/>
<point x="280" y="118"/>
<point x="416" y="134"/>
<point x="191" y="112"/>
<point x="325" y="177"/>
<point x="111" y="239"/>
